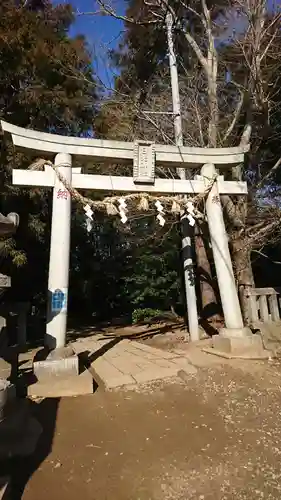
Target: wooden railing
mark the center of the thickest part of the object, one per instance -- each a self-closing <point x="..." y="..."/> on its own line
<point x="264" y="305"/>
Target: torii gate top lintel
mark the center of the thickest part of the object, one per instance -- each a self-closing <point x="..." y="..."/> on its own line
<point x="143" y="155"/>
<point x="122" y="152"/>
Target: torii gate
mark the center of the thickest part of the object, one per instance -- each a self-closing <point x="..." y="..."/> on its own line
<point x="144" y="156"/>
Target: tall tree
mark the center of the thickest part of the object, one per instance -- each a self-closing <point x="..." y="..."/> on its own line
<point x="143" y="61"/>
<point x="229" y="88"/>
<point x="39" y="89"/>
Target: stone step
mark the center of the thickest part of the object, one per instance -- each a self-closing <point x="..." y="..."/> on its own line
<point x="250" y="346"/>
<point x="62" y="387"/>
<point x="61" y="362"/>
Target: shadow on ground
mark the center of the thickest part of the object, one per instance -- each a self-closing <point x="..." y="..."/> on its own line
<point x="112" y="329"/>
<point x="149" y="332"/>
<point x="21" y="469"/>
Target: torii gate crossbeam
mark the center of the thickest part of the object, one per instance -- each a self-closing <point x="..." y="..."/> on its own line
<point x="144" y="156"/>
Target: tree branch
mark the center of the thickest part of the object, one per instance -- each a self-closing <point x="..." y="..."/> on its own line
<point x="194" y="45"/>
<point x="245" y="138"/>
<point x="111" y="12"/>
<point x="266" y="256"/>
<point x="231" y="212"/>
<point x="235" y="118"/>
<point x="269" y="174"/>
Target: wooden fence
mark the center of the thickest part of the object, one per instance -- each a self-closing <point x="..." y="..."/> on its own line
<point x="264" y="305"/>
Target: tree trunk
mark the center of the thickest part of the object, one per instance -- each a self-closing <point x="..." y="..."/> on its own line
<point x="210" y="309"/>
<point x="214" y="115"/>
<point x="244" y="275"/>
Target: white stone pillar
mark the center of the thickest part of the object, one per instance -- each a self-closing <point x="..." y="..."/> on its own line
<point x="189" y="280"/>
<point x="219" y="241"/>
<point x="59" y="257"/>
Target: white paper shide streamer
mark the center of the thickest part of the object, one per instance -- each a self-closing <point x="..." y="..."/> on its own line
<point x="122" y="210"/>
<point x="89" y="217"/>
<point x="191" y="213"/>
<point x="161" y="213"/>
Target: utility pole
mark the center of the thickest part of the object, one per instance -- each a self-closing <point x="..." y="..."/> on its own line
<point x="187" y="230"/>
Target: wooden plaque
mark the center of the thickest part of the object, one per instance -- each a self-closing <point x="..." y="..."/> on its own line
<point x="144" y="162"/>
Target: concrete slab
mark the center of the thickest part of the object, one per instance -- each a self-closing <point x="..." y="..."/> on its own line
<point x="128" y="363"/>
<point x="155" y="374"/>
<point x="127" y="367"/>
<point x="185" y="365"/>
<point x="197" y="356"/>
<point x="228" y="355"/>
<point x="106" y="368"/>
<point x="247" y="347"/>
<point x="61" y="362"/>
<point x="114" y="383"/>
<point x="62" y="387"/>
<point x="145" y="365"/>
<point x="150" y="351"/>
<point x="110" y="375"/>
<point x="162" y="363"/>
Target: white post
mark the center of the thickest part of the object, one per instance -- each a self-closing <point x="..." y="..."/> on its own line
<point x="59" y="257"/>
<point x="188" y="264"/>
<point x="189" y="279"/>
<point x="175" y="87"/>
<point x="219" y="241"/>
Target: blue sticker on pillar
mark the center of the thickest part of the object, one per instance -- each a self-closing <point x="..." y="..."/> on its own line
<point x="59" y="300"/>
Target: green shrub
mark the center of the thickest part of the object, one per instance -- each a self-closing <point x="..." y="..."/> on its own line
<point x="140" y="315"/>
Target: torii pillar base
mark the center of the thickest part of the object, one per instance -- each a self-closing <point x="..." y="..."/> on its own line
<point x="239" y="344"/>
<point x="62" y="362"/>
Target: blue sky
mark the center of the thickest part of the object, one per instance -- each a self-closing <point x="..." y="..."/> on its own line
<point x="102" y="32"/>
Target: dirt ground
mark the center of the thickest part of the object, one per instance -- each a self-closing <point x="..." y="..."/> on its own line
<point x="165" y="335"/>
<point x="215" y="435"/>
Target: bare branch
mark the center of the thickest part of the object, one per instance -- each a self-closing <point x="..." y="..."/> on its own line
<point x="269" y="174"/>
<point x="245" y="138"/>
<point x="266" y="256"/>
<point x="107" y="9"/>
<point x="235" y="118"/>
<point x="194" y="45"/>
<point x="232" y="212"/>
